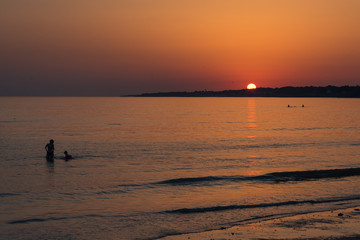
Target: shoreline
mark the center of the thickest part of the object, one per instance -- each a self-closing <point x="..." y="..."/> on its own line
<point x="331" y="224"/>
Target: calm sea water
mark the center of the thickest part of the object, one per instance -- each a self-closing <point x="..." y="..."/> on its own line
<point x="144" y="168"/>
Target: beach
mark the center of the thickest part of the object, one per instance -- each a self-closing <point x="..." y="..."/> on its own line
<point x="337" y="224"/>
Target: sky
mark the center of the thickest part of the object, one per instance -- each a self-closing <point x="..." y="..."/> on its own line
<point x="118" y="47"/>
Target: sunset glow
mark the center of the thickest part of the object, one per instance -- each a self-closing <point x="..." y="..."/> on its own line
<point x="122" y="47"/>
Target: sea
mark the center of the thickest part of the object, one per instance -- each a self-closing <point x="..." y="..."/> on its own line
<point x="147" y="168"/>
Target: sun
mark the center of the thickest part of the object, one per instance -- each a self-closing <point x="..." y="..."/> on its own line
<point x="251" y="86"/>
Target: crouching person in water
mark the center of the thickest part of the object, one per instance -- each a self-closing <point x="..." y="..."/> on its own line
<point x="50" y="148"/>
<point x="67" y="156"/>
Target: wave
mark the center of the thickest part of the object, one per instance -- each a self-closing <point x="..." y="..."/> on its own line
<point x="8" y="194"/>
<point x="110" y="192"/>
<point x="302" y="129"/>
<point x="189" y="181"/>
<point x="36" y="220"/>
<point x="270" y="177"/>
<point x="316" y="174"/>
<point x="13" y="121"/>
<point x="31" y="220"/>
<point x="261" y="205"/>
<point x="273" y="145"/>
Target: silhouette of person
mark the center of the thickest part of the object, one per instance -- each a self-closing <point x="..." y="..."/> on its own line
<point x="50" y="148"/>
<point x="67" y="156"/>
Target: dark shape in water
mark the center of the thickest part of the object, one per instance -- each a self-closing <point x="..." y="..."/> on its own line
<point x="50" y="148"/>
<point x="67" y="156"/>
<point x="260" y="205"/>
<point x="270" y="177"/>
<point x="315" y="174"/>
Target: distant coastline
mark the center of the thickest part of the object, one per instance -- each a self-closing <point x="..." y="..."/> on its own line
<point x="328" y="91"/>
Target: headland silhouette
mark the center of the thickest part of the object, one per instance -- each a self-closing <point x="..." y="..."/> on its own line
<point x="328" y="91"/>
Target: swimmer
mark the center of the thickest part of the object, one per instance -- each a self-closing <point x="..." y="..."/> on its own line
<point x="67" y="156"/>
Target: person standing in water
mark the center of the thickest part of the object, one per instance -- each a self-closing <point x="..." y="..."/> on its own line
<point x="50" y="148"/>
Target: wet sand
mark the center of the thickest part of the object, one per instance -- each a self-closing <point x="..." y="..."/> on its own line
<point x="338" y="224"/>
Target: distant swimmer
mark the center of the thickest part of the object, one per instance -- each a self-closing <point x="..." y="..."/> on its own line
<point x="289" y="106"/>
<point x="67" y="156"/>
<point x="50" y="148"/>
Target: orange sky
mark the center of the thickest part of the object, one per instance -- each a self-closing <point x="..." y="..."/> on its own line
<point x="114" y="47"/>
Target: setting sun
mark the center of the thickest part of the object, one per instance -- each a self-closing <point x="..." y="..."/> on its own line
<point x="251" y="86"/>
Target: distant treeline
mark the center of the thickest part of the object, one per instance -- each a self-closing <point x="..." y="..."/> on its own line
<point x="329" y="91"/>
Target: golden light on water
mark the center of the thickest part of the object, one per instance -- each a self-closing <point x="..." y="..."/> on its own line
<point x="251" y="86"/>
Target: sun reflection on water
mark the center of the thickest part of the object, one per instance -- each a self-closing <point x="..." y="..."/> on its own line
<point x="251" y="117"/>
